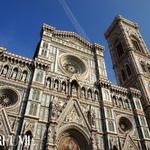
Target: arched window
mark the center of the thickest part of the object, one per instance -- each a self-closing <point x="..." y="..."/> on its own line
<point x="114" y="100"/>
<point x="45" y="44"/>
<point x="120" y="50"/>
<point x="39" y="76"/>
<point x="24" y="76"/>
<point x="5" y="70"/>
<point x="63" y="86"/>
<point x="96" y="95"/>
<point x="121" y="102"/>
<point x="106" y="95"/>
<point x="56" y="85"/>
<point x="89" y="94"/>
<point x="44" y="52"/>
<point x="83" y="94"/>
<point x="27" y="144"/>
<point x="14" y="73"/>
<point x="127" y="105"/>
<point x="136" y="45"/>
<point x="128" y="70"/>
<point x="48" y="82"/>
<point x="123" y="75"/>
<point x="74" y="87"/>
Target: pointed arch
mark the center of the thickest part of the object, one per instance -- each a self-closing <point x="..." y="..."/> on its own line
<point x="123" y="75"/>
<point x="5" y="69"/>
<point x="89" y="94"/>
<point x="48" y="82"/>
<point x="56" y="84"/>
<point x="128" y="70"/>
<point x="15" y="73"/>
<point x="83" y="92"/>
<point x="24" y="76"/>
<point x="136" y="43"/>
<point x="64" y="86"/>
<point x="74" y="88"/>
<point x="29" y="136"/>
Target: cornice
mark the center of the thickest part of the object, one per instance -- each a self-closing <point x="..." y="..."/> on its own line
<point x="14" y="58"/>
<point x="119" y="89"/>
<point x="42" y="64"/>
<point x="61" y="33"/>
<point x="135" y="92"/>
<point x="39" y="63"/>
<point x="104" y="83"/>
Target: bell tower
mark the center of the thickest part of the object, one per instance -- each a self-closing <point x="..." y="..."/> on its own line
<point x="130" y="58"/>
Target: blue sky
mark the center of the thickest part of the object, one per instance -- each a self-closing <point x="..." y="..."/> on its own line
<point x="21" y="21"/>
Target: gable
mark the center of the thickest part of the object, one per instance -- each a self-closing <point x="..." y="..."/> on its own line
<point x="129" y="144"/>
<point x="72" y="114"/>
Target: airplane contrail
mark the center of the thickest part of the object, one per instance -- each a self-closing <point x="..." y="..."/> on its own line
<point x="73" y="19"/>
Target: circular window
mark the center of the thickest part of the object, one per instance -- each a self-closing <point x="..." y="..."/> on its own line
<point x="8" y="97"/>
<point x="125" y="124"/>
<point x="72" y="65"/>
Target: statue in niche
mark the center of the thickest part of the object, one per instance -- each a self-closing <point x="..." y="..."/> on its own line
<point x="24" y="76"/>
<point x="83" y="93"/>
<point x="89" y="94"/>
<point x="56" y="85"/>
<point x="5" y="70"/>
<point x="74" y="90"/>
<point x="48" y="82"/>
<point x="91" y="117"/>
<point x="64" y="87"/>
<point x="14" y="73"/>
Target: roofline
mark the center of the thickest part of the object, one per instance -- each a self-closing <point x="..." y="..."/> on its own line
<point x="56" y="32"/>
<point x="117" y="20"/>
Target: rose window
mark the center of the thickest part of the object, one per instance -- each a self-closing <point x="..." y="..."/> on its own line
<point x="125" y="124"/>
<point x="71" y="68"/>
<point x="8" y="97"/>
<point x="72" y="65"/>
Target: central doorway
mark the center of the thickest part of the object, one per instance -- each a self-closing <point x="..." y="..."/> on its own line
<point x="72" y="139"/>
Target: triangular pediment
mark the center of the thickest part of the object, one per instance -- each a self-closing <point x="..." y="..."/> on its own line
<point x="73" y="114"/>
<point x="129" y="144"/>
<point x="6" y="128"/>
<point x="73" y="42"/>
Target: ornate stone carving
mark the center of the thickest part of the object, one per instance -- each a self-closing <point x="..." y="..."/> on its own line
<point x="56" y="107"/>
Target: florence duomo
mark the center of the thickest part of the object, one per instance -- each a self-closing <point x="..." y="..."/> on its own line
<point x="62" y="99"/>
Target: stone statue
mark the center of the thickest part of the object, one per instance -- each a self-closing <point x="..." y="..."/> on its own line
<point x="5" y="70"/>
<point x="24" y="76"/>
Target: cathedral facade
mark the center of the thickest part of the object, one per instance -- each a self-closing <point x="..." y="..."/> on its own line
<point x="62" y="98"/>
